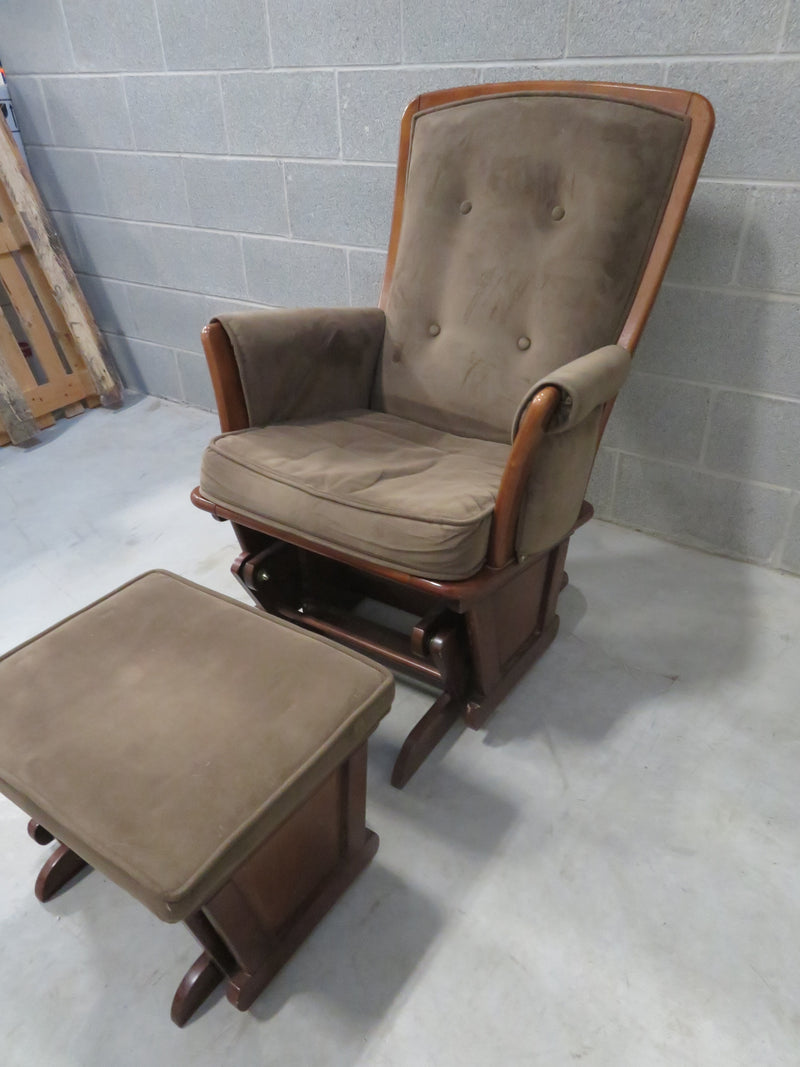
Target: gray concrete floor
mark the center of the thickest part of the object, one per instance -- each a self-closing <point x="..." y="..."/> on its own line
<point x="608" y="873"/>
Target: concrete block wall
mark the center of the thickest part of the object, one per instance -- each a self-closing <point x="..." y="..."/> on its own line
<point x="201" y="155"/>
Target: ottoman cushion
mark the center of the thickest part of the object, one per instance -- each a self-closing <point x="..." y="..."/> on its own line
<point x="165" y="731"/>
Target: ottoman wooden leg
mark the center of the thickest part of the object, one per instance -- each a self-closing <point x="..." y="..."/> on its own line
<point x="38" y="833"/>
<point x="60" y="868"/>
<point x="198" y="983"/>
<point x="251" y="926"/>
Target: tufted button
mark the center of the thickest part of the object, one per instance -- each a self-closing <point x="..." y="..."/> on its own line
<point x="434" y="329"/>
<point x="557" y="214"/>
<point x="465" y="207"/>
<point x="523" y="343"/>
<point x="396" y="357"/>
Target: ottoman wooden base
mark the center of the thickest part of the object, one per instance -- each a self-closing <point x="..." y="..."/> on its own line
<point x="253" y="925"/>
<point x="237" y="806"/>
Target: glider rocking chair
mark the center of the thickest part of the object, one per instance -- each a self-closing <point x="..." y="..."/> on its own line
<point x="433" y="453"/>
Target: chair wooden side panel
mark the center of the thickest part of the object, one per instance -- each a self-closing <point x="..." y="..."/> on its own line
<point x="225" y="378"/>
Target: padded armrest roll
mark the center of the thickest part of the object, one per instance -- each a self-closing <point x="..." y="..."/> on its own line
<point x="304" y="362"/>
<point x="584" y="383"/>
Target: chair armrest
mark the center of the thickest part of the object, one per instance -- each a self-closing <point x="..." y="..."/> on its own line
<point x="300" y="363"/>
<point x="584" y="384"/>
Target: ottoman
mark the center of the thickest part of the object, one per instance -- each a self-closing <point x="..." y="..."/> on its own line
<point x="209" y="759"/>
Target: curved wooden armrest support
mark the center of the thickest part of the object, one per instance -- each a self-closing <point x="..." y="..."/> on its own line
<point x="225" y="378"/>
<point x="532" y="429"/>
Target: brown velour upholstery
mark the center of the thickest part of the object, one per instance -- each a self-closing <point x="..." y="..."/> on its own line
<point x="526" y="223"/>
<point x="527" y="220"/>
<point x="196" y="760"/>
<point x="377" y="485"/>
<point x="532" y="226"/>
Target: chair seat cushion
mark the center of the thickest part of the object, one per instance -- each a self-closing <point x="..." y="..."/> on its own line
<point x="164" y="732"/>
<point x="377" y="486"/>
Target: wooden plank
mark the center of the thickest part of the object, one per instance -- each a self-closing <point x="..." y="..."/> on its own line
<point x="51" y="309"/>
<point x="31" y="318"/>
<point x="13" y="358"/>
<point x="71" y="410"/>
<point x="15" y="414"/>
<point x="56" y="267"/>
<point x="53" y="396"/>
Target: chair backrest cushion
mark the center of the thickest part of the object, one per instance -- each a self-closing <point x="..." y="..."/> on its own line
<point x="527" y="222"/>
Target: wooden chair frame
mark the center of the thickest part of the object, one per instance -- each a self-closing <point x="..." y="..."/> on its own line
<point x="474" y="638"/>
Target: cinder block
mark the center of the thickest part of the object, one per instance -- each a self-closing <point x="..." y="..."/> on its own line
<point x="168" y="317"/>
<point x="372" y="103"/>
<point x="756" y="107"/>
<point x="34" y="38"/>
<point x="790" y="560"/>
<point x="755" y="437"/>
<point x="109" y="303"/>
<point x="68" y="179"/>
<point x="791" y="37"/>
<point x="176" y="113"/>
<point x="208" y="35"/>
<point x="114" y="35"/>
<point x="655" y="416"/>
<point x="146" y="368"/>
<point x="198" y="261"/>
<point x="733" y="517"/>
<point x="366" y="277"/>
<point x="633" y="27"/>
<point x="351" y="31"/>
<point x="245" y="195"/>
<point x="724" y="338"/>
<point x="341" y="203"/>
<point x="148" y="188"/>
<point x="709" y="240"/>
<point x="88" y="112"/>
<point x="219" y="305"/>
<point x="771" y="253"/>
<point x="290" y="274"/>
<point x="277" y="114"/>
<point x="600" y="491"/>
<point x="29" y="107"/>
<point x="196" y="381"/>
<point x="633" y="72"/>
<point x="485" y="30"/>
<point x="114" y="249"/>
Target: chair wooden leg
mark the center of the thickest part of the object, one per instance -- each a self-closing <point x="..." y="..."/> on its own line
<point x="60" y="868"/>
<point x="198" y="984"/>
<point x="424" y="738"/>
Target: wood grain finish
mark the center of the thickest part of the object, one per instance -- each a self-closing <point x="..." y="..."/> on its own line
<point x="513" y="484"/>
<point x="225" y="378"/>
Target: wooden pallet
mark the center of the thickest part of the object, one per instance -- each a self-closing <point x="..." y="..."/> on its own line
<point x="69" y="370"/>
